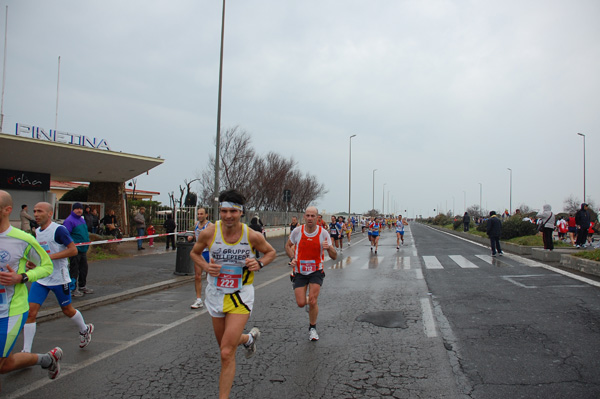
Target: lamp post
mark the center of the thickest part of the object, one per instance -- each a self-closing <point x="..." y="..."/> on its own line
<point x="374" y="170"/>
<point x="350" y="174"/>
<point x="383" y="200"/>
<point x="583" y="135"/>
<point x="510" y="201"/>
<point x="480" y="196"/>
<point x="218" y="139"/>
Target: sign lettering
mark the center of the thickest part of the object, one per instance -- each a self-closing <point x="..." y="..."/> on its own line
<point x="35" y="132"/>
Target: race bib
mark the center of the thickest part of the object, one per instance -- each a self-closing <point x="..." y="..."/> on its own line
<point x="230" y="279"/>
<point x="46" y="248"/>
<point x="308" y="266"/>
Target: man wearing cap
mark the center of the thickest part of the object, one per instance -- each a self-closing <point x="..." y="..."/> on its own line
<point x="78" y="264"/>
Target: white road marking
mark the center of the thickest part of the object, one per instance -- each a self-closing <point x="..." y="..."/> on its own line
<point x="428" y="320"/>
<point x="463" y="262"/>
<point x="485" y="258"/>
<point x="419" y="274"/>
<point x="431" y="262"/>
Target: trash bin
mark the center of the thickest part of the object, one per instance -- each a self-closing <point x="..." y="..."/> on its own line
<point x="184" y="265"/>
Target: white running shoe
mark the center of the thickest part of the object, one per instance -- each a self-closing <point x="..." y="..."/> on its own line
<point x="251" y="349"/>
<point x="86" y="337"/>
<point x="197" y="304"/>
<point x="312" y="334"/>
<point x="54" y="368"/>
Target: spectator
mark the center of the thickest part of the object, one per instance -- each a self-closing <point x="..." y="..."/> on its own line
<point x="151" y="231"/>
<point x="582" y="219"/>
<point x="95" y="221"/>
<point x="572" y="228"/>
<point x="494" y="229"/>
<point x="170" y="227"/>
<point x="546" y="223"/>
<point x="78" y="264"/>
<point x="562" y="228"/>
<point x="140" y="226"/>
<point x="26" y="219"/>
<point x="87" y="216"/>
<point x="110" y="223"/>
<point x="466" y="221"/>
<point x="256" y="225"/>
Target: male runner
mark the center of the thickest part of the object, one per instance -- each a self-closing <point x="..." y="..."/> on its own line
<point x="57" y="242"/>
<point x="229" y="292"/>
<point x="310" y="242"/>
<point x="202" y="224"/>
<point x="16" y="248"/>
<point x="322" y="223"/>
<point x="400" y="223"/>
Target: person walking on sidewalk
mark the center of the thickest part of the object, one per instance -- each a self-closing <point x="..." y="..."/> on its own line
<point x="230" y="291"/>
<point x="494" y="229"/>
<point x="78" y="264"/>
<point x="140" y="226"/>
<point x="201" y="224"/>
<point x="306" y="247"/>
<point x="18" y="247"/>
<point x="26" y="219"/>
<point x="170" y="227"/>
<point x="547" y="226"/>
<point x="57" y="242"/>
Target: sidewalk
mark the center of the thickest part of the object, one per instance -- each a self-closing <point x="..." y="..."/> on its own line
<point x="139" y="273"/>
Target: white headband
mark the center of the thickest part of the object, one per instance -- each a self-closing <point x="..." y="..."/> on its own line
<point x="232" y="205"/>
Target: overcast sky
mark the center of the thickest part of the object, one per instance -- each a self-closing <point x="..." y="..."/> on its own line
<point x="442" y="95"/>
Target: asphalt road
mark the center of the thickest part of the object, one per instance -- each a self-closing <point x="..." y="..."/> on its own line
<point x="438" y="318"/>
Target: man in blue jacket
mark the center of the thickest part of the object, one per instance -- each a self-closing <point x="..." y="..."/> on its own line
<point x="78" y="264"/>
<point x="494" y="229"/>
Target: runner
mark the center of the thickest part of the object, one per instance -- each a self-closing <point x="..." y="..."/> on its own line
<point x="400" y="223"/>
<point x="322" y="223"/>
<point x="229" y="292"/>
<point x="341" y="227"/>
<point x="201" y="224"/>
<point x="308" y="257"/>
<point x="334" y="232"/>
<point x="16" y="248"/>
<point x="349" y="230"/>
<point x="375" y="228"/>
<point x="370" y="232"/>
<point x="57" y="242"/>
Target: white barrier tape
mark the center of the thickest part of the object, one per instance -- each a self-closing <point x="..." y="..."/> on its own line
<point x="124" y="239"/>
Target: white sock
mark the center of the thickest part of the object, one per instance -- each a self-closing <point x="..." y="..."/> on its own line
<point x="28" y="335"/>
<point x="250" y="340"/>
<point x="78" y="319"/>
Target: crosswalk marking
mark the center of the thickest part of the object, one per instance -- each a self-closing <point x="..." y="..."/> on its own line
<point x="431" y="262"/>
<point x="402" y="262"/>
<point x="485" y="258"/>
<point x="463" y="262"/>
<point x="373" y="262"/>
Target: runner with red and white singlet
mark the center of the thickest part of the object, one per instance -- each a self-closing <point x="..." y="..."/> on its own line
<point x="306" y="246"/>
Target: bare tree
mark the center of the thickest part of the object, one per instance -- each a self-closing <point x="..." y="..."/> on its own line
<point x="262" y="180"/>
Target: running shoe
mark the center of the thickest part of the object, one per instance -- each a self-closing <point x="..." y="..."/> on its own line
<point x="500" y="253"/>
<point x="251" y="349"/>
<point x="312" y="334"/>
<point x="86" y="290"/>
<point x="493" y="255"/>
<point x="77" y="294"/>
<point x="54" y="368"/>
<point x="197" y="304"/>
<point x="86" y="337"/>
<point x="397" y="247"/>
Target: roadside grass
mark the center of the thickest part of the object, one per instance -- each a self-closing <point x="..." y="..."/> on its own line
<point x="98" y="253"/>
<point x="591" y="255"/>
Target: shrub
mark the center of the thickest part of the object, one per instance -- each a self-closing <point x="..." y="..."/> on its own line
<point x="516" y="227"/>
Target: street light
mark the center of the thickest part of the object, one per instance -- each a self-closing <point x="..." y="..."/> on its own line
<point x="510" y="202"/>
<point x="374" y="189"/>
<point x="350" y="174"/>
<point x="583" y="135"/>
<point x="218" y="140"/>
<point x="480" y="191"/>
